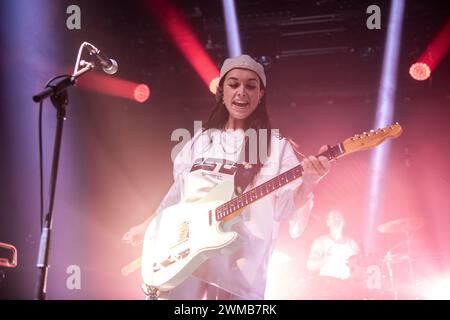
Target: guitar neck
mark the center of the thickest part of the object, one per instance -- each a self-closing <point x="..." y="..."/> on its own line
<point x="253" y="195"/>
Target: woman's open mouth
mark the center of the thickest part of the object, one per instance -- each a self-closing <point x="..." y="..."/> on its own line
<point x="240" y="105"/>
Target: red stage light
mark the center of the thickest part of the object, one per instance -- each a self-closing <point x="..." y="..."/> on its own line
<point x="184" y="38"/>
<point x="433" y="54"/>
<point x="420" y="71"/>
<point x="213" y="85"/>
<point x="115" y="86"/>
<point x="141" y="93"/>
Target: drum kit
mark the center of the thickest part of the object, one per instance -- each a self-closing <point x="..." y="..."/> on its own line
<point x="375" y="276"/>
<point x="390" y="275"/>
<point x="397" y="265"/>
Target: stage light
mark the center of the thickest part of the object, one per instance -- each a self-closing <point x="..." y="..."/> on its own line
<point x="183" y="38"/>
<point x="384" y="117"/>
<point x="115" y="86"/>
<point x="213" y="85"/>
<point x="434" y="53"/>
<point x="232" y="28"/>
<point x="420" y="71"/>
<point x="141" y="93"/>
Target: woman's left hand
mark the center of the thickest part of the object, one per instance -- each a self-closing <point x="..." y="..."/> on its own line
<point x="315" y="168"/>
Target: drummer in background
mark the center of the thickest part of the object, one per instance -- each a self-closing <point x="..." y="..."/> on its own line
<point x="329" y="256"/>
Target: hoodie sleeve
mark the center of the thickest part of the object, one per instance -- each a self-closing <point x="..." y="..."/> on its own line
<point x="285" y="208"/>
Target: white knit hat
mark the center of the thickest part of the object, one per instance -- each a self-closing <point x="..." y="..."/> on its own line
<point x="243" y="62"/>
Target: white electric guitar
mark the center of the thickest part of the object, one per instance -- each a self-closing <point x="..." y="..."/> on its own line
<point x="183" y="236"/>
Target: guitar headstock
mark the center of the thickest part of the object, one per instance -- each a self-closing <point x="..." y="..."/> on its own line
<point x="371" y="139"/>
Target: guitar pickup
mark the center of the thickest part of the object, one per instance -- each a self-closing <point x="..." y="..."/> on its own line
<point x="183" y="254"/>
<point x="168" y="262"/>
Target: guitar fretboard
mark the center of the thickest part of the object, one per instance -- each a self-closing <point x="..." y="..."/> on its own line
<point x="271" y="185"/>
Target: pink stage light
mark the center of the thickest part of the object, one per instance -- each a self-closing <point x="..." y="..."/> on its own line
<point x="141" y="93"/>
<point x="184" y="38"/>
<point x="433" y="54"/>
<point x="420" y="71"/>
<point x="114" y="86"/>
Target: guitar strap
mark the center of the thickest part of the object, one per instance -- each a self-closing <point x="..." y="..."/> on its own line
<point x="245" y="171"/>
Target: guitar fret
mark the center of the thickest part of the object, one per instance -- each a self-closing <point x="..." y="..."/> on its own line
<point x="258" y="192"/>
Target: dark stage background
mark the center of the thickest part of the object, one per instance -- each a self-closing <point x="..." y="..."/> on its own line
<point x="115" y="158"/>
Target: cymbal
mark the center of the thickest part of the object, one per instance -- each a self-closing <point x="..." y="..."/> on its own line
<point x="405" y="225"/>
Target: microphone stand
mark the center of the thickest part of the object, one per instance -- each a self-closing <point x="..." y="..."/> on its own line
<point x="60" y="99"/>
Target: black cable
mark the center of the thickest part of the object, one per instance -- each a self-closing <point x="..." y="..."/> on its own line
<point x="41" y="168"/>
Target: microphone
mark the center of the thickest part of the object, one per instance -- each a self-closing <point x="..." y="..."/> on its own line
<point x="110" y="66"/>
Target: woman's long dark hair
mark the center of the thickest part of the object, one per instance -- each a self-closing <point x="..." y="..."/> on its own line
<point x="259" y="119"/>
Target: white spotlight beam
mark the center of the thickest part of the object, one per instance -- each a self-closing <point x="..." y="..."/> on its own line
<point x="232" y="27"/>
<point x="384" y="115"/>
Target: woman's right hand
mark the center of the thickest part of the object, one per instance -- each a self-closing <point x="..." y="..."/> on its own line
<point x="135" y="236"/>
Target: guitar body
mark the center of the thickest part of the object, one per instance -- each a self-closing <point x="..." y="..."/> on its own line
<point x="183" y="236"/>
